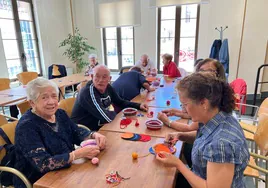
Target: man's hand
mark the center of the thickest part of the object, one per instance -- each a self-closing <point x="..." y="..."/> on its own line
<point x="144" y="107"/>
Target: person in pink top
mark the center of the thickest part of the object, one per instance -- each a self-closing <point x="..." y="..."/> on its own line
<point x="170" y="68"/>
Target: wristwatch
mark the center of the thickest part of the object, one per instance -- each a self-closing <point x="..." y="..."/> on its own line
<point x="91" y="134"/>
<point x="169" y="123"/>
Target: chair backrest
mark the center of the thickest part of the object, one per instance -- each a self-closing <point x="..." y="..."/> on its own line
<point x="124" y="69"/>
<point x="9" y="129"/>
<point x="261" y="135"/>
<point x="4" y="84"/>
<point x="263" y="107"/>
<point x="25" y="77"/>
<point x="3" y="120"/>
<point x="23" y="107"/>
<point x="183" y="72"/>
<point x="67" y="105"/>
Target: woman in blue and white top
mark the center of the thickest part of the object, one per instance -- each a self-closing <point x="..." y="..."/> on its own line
<point x="220" y="153"/>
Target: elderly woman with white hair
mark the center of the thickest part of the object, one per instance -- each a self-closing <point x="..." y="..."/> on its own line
<point x="92" y="63"/>
<point x="45" y="136"/>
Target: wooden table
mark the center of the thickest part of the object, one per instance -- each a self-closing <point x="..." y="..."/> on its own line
<point x="144" y="172"/>
<point x="18" y="91"/>
<point x="7" y="99"/>
<point x="114" y="126"/>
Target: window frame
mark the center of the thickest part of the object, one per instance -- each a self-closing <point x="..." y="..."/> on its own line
<point x="119" y="48"/>
<point x="177" y="35"/>
<point x="19" y="38"/>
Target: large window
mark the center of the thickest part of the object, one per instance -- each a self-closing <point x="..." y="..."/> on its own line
<point x="19" y="36"/>
<point x="177" y="34"/>
<point x="118" y="46"/>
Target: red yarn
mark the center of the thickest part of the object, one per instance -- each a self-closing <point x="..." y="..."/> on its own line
<point x="124" y="123"/>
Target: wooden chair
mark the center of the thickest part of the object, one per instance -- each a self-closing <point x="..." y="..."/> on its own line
<point x="9" y="129"/>
<point x="23" y="107"/>
<point x="124" y="69"/>
<point x="261" y="140"/>
<point x="67" y="105"/>
<point x="3" y="119"/>
<point x="25" y="77"/>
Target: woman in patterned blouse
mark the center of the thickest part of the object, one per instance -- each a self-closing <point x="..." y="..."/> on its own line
<point x="45" y="136"/>
<point x="220" y="153"/>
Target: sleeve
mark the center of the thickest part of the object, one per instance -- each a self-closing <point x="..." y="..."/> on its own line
<point x="142" y="79"/>
<point x="223" y="151"/>
<point x="91" y="102"/>
<point x="174" y="72"/>
<point x="34" y="151"/>
<point x="118" y="101"/>
<point x="78" y="134"/>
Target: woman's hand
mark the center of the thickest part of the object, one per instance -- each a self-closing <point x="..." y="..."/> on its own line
<point x="100" y="140"/>
<point x="173" y="136"/>
<point x="169" y="112"/>
<point x="168" y="159"/>
<point x="87" y="151"/>
<point x="163" y="117"/>
<point x="144" y="107"/>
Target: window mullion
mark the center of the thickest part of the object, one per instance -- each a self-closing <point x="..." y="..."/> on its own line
<point x="158" y="38"/>
<point x="119" y="47"/>
<point x="104" y="46"/>
<point x="196" y="32"/>
<point x="177" y="35"/>
<point x="18" y="35"/>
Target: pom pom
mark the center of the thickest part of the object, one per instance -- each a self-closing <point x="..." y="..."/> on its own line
<point x="151" y="113"/>
<point x="168" y="102"/>
<point x="95" y="160"/>
<point x="134" y="156"/>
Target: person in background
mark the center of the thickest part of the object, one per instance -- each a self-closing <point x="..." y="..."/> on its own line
<point x="92" y="63"/>
<point x="170" y="68"/>
<point x="45" y="135"/>
<point x="128" y="85"/>
<point x="145" y="64"/>
<point x="212" y="66"/>
<point x="219" y="144"/>
<point x="92" y="104"/>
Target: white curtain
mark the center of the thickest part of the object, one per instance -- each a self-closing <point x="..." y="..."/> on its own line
<point x="162" y="3"/>
<point x="117" y="13"/>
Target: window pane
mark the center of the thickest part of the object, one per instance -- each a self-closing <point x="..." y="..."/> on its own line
<point x="187" y="51"/>
<point x="127" y="32"/>
<point x="168" y="12"/>
<point x="112" y="56"/>
<point x="25" y="11"/>
<point x="11" y="49"/>
<point x="127" y="60"/>
<point x="30" y="48"/>
<point x="167" y="45"/>
<point x="27" y="30"/>
<point x="6" y="9"/>
<point x="168" y="28"/>
<point x="7" y="29"/>
<point x="14" y="68"/>
<point x="110" y="33"/>
<point x="188" y="27"/>
<point x="33" y="64"/>
<point x="189" y="11"/>
<point x="127" y="46"/>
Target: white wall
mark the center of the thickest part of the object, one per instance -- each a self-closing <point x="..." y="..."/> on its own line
<point x="53" y="21"/>
<point x="3" y="65"/>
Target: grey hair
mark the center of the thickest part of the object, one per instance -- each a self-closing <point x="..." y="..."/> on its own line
<point x="34" y="86"/>
<point x="92" y="56"/>
<point x="101" y="67"/>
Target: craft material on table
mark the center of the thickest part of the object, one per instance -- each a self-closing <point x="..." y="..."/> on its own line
<point x="135" y="137"/>
<point x="114" y="178"/>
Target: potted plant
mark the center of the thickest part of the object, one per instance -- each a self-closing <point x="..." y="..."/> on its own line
<point x="76" y="47"/>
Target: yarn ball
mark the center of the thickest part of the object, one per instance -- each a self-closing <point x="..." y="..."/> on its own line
<point x="156" y="83"/>
<point x="89" y="142"/>
<point x="94" y="160"/>
<point x="134" y="156"/>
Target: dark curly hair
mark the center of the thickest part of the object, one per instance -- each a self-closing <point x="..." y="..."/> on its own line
<point x="199" y="86"/>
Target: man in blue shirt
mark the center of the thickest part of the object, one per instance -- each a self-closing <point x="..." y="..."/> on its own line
<point x="128" y="85"/>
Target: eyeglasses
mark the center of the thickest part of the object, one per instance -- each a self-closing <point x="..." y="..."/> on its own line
<point x="184" y="105"/>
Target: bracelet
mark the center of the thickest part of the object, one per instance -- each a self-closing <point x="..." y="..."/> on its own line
<point x="169" y="123"/>
<point x="91" y="134"/>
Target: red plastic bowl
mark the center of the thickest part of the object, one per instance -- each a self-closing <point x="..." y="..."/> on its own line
<point x="130" y="111"/>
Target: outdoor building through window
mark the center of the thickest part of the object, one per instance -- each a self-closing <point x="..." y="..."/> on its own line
<point x="19" y="36"/>
<point x="118" y="46"/>
<point x="177" y="34"/>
